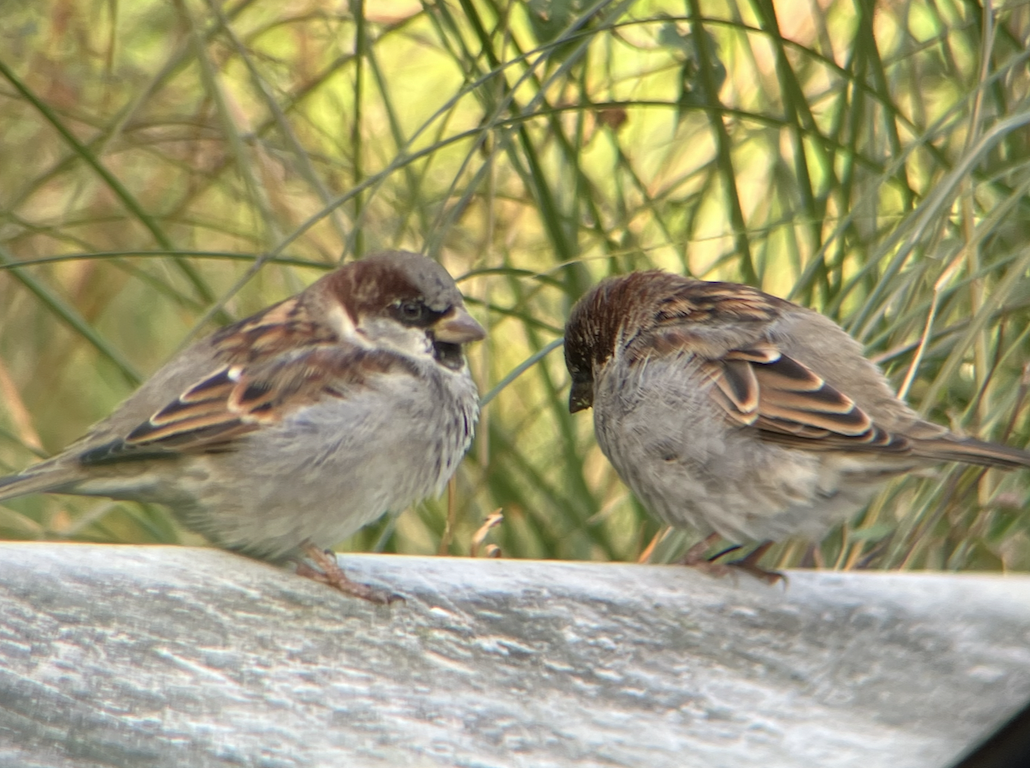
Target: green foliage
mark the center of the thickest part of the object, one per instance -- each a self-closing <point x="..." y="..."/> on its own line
<point x="169" y="166"/>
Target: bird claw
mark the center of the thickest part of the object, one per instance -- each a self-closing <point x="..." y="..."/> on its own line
<point x="695" y="558"/>
<point x="749" y="565"/>
<point x="330" y="573"/>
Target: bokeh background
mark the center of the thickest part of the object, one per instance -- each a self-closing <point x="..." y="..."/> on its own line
<point x="168" y="166"/>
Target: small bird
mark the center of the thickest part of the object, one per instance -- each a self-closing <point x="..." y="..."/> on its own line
<point x="741" y="414"/>
<point x="284" y="433"/>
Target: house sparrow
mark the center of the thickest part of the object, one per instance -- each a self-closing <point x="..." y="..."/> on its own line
<point x="741" y="414"/>
<point x="286" y="432"/>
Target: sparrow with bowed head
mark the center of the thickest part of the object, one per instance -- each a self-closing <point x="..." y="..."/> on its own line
<point x="286" y="432"/>
<point x="743" y="415"/>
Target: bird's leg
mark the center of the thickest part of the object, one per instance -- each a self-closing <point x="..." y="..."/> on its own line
<point x="329" y="572"/>
<point x="696" y="558"/>
<point x="749" y="564"/>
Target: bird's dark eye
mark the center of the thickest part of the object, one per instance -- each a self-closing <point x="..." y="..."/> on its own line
<point x="411" y="311"/>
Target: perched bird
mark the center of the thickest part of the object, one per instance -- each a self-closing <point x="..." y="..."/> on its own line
<point x="284" y="433"/>
<point x="743" y="415"/>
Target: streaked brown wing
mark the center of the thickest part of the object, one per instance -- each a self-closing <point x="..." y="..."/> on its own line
<point x="282" y="328"/>
<point x="789" y="404"/>
<point x="235" y="400"/>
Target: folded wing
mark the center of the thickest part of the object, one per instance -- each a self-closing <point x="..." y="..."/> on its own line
<point x="791" y="405"/>
<point x="236" y="399"/>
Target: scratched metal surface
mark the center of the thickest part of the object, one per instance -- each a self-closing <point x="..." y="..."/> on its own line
<point x="166" y="656"/>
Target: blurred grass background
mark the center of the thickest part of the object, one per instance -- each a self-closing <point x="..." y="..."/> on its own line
<point x="168" y="166"/>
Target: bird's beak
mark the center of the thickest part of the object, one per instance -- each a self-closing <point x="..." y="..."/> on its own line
<point x="458" y="327"/>
<point x="582" y="395"/>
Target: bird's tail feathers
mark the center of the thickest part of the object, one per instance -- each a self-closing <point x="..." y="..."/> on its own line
<point x="39" y="479"/>
<point x="970" y="451"/>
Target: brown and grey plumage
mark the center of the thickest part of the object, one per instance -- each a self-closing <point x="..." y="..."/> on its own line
<point x="286" y="432"/>
<point x="742" y="414"/>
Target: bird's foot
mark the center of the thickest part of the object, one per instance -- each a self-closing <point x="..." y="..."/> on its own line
<point x="329" y="572"/>
<point x="749" y="565"/>
<point x="696" y="557"/>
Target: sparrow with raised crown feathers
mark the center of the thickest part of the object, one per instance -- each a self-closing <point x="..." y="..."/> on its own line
<point x="286" y="432"/>
<point x="743" y="415"/>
